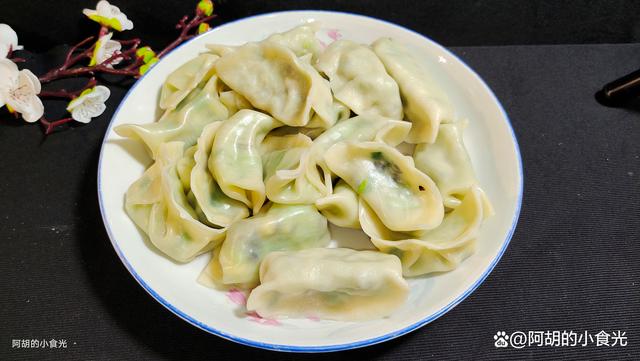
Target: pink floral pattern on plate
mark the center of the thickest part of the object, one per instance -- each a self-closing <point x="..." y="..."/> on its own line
<point x="239" y="297"/>
<point x="334" y="34"/>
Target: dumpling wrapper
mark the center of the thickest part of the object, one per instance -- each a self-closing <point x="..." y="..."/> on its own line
<point x="289" y="173"/>
<point x="273" y="79"/>
<point x="186" y="78"/>
<point x="158" y="204"/>
<point x="437" y="250"/>
<point x="403" y="197"/>
<point x="218" y="208"/>
<point x="447" y="162"/>
<point x="235" y="159"/>
<point x="359" y="80"/>
<point x="185" y="123"/>
<point x="301" y="40"/>
<point x="278" y="228"/>
<point x="425" y="104"/>
<point x="234" y="101"/>
<point x="341" y="207"/>
<point x="329" y="283"/>
<point x="358" y="129"/>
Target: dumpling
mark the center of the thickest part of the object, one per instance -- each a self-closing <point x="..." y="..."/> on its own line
<point x="341" y="207"/>
<point x="438" y="250"/>
<point x="279" y="228"/>
<point x="234" y="101"/>
<point x="329" y="283"/>
<point x="235" y="159"/>
<point x="359" y="80"/>
<point x="425" y="104"/>
<point x="340" y="113"/>
<point x="447" y="162"/>
<point x="185" y="123"/>
<point x="290" y="175"/>
<point x="219" y="49"/>
<point x="403" y="197"/>
<point x="312" y="133"/>
<point x="185" y="166"/>
<point x="358" y="129"/>
<point x="301" y="40"/>
<point x="158" y="204"/>
<point x="274" y="80"/>
<point x="186" y="78"/>
<point x="218" y="208"/>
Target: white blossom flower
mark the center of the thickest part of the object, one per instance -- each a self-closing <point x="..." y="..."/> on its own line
<point x="104" y="49"/>
<point x="109" y="15"/>
<point x="89" y="104"/>
<point x="8" y="40"/>
<point x="18" y="90"/>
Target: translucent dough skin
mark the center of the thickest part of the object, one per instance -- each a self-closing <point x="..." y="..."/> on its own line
<point x="424" y="103"/>
<point x="281" y="227"/>
<point x="290" y="177"/>
<point x="158" y="205"/>
<point x="218" y="208"/>
<point x="341" y="207"/>
<point x="186" y="78"/>
<point x="235" y="159"/>
<point x="438" y="250"/>
<point x="358" y="79"/>
<point x="274" y="80"/>
<point x="403" y="197"/>
<point x="184" y="123"/>
<point x="329" y="283"/>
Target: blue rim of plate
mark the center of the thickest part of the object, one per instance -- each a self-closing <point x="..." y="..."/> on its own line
<point x="338" y="347"/>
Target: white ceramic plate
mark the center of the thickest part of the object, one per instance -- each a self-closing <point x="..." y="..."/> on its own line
<point x="489" y="139"/>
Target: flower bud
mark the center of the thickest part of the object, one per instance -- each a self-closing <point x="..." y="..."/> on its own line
<point x="203" y="28"/>
<point x="205" y="7"/>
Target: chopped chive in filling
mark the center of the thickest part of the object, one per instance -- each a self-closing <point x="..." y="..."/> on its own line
<point x="389" y="168"/>
<point x="362" y="187"/>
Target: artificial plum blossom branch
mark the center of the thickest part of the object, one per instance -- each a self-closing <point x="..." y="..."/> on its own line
<point x="108" y="56"/>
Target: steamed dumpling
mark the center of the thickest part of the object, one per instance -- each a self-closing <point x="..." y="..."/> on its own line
<point x="425" y="104"/>
<point x="403" y="197"/>
<point x="235" y="160"/>
<point x="437" y="250"/>
<point x="358" y="129"/>
<point x="329" y="283"/>
<point x="274" y="80"/>
<point x="447" y="162"/>
<point x="301" y="40"/>
<point x="184" y="124"/>
<point x="217" y="207"/>
<point x="291" y="177"/>
<point x="158" y="204"/>
<point x="341" y="207"/>
<point x="359" y="80"/>
<point x="279" y="228"/>
<point x="186" y="78"/>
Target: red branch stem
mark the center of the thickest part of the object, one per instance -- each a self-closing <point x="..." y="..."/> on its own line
<point x="63" y="93"/>
<point x="65" y="70"/>
<point x="50" y="126"/>
<point x="12" y="58"/>
<point x="130" y="66"/>
<point x="186" y="28"/>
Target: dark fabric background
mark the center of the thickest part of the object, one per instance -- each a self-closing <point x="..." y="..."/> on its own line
<point x="571" y="265"/>
<point x="451" y="22"/>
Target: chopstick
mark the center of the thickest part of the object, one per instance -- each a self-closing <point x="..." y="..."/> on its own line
<point x="620" y="91"/>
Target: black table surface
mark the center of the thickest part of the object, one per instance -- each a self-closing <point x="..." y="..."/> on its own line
<point x="572" y="264"/>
